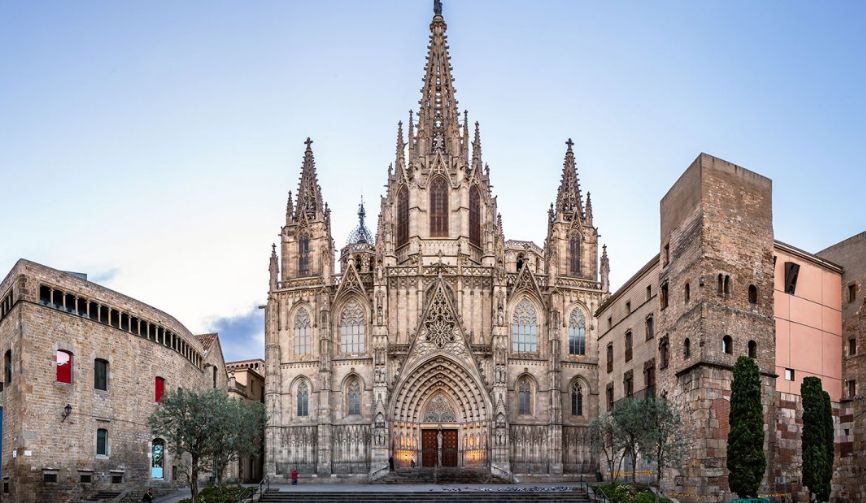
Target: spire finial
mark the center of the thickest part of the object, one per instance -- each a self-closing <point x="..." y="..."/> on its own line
<point x="437" y="7"/>
<point x="308" y="142"/>
<point x="569" y="143"/>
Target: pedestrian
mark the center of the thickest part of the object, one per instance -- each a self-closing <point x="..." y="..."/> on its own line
<point x="148" y="496"/>
<point x="390" y="463"/>
<point x="295" y="476"/>
<point x="413" y="463"/>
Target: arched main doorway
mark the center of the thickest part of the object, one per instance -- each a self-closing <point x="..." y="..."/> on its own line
<point x="440" y="417"/>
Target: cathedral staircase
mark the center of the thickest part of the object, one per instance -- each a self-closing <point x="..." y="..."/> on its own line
<point x="441" y="476"/>
<point x="505" y="494"/>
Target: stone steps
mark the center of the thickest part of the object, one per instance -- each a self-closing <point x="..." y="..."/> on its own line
<point x="441" y="476"/>
<point x="516" y="495"/>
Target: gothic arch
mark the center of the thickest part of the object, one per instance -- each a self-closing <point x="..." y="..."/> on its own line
<point x="360" y="308"/>
<point x="523" y="311"/>
<point x="440" y="374"/>
<point x="439" y="209"/>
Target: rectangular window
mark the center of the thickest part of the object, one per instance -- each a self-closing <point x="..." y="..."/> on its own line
<point x="628" y="383"/>
<point x="610" y="357"/>
<point x="115" y="319"/>
<point x="649" y="292"/>
<point x="792" y="270"/>
<point x="49" y="477"/>
<point x="628" y="346"/>
<point x="609" y="321"/>
<point x="93" y="311"/>
<point x="100" y="374"/>
<point x="650" y="328"/>
<point x="44" y="295"/>
<point x="852" y="346"/>
<point x="667" y="254"/>
<point x="664" y="352"/>
<point x="649" y="377"/>
<point x="102" y="442"/>
<point x="852" y="292"/>
<point x="64" y="367"/>
<point x="628" y="307"/>
<point x="117" y="478"/>
<point x="852" y="388"/>
<point x="85" y="478"/>
<point x="610" y="396"/>
<point x="158" y="389"/>
<point x="663" y="297"/>
<point x="789" y="374"/>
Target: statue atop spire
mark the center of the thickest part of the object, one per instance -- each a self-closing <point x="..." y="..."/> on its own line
<point x="437" y="7"/>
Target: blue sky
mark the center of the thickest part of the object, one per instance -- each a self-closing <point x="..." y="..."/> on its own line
<point x="152" y="144"/>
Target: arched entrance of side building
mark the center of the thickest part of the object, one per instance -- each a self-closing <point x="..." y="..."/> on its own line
<point x="441" y="418"/>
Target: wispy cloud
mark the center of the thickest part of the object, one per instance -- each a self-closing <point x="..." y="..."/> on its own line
<point x="242" y="336"/>
<point x="105" y="276"/>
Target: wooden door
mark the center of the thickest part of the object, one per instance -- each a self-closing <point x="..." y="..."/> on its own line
<point x="449" y="447"/>
<point x="429" y="448"/>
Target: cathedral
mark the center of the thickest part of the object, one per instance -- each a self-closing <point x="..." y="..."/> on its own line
<point x="438" y="342"/>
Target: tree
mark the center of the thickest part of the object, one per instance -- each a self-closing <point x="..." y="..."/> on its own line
<point x="605" y="439"/>
<point x="188" y="421"/>
<point x="664" y="440"/>
<point x="630" y="428"/>
<point x="746" y="459"/>
<point x="817" y="439"/>
<point x="240" y="434"/>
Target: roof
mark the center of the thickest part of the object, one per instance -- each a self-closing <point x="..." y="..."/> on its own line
<point x="207" y="340"/>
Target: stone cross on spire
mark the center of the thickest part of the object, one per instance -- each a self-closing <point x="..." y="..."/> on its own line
<point x="568" y="197"/>
<point x="438" y="117"/>
<point x="309" y="193"/>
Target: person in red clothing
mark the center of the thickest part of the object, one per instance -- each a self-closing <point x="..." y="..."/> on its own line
<point x="294" y="476"/>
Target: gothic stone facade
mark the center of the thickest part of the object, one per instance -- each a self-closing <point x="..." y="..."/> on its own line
<point x="439" y="341"/>
<point x="81" y="365"/>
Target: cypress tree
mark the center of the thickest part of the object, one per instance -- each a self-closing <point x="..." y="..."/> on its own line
<point x="746" y="459"/>
<point x="817" y="438"/>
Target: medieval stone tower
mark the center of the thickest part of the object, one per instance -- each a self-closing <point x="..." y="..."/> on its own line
<point x="439" y="340"/>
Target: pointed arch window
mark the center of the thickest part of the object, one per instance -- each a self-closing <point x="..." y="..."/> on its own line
<point x="474" y="216"/>
<point x="574" y="255"/>
<point x="303" y="255"/>
<point x="402" y="216"/>
<point x="576" y="399"/>
<point x="303" y="400"/>
<point x="524" y="328"/>
<point x="439" y="208"/>
<point x="353" y="401"/>
<point x="352" y="328"/>
<point x="303" y="327"/>
<point x="576" y="332"/>
<point x="524" y="397"/>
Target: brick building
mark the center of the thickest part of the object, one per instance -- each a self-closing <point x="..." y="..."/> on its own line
<point x="84" y="367"/>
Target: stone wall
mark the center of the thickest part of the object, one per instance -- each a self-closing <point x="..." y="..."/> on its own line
<point x="38" y="441"/>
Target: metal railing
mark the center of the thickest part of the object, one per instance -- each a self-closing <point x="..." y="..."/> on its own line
<point x="263" y="487"/>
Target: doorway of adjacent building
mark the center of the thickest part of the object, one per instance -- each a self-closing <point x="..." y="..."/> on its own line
<point x="430" y="448"/>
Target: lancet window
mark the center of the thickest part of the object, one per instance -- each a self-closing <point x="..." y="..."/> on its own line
<point x="474" y="216"/>
<point x="303" y="328"/>
<point x="576" y="333"/>
<point x="352" y="328"/>
<point x="402" y="216"/>
<point x="524" y="328"/>
<point x="439" y="208"/>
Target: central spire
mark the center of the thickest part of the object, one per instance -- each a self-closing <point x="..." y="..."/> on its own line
<point x="438" y="117"/>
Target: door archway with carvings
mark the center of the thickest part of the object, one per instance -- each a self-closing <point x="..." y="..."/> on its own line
<point x="440" y="417"/>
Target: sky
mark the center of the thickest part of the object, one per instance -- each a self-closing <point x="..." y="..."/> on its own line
<point x="152" y="144"/>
